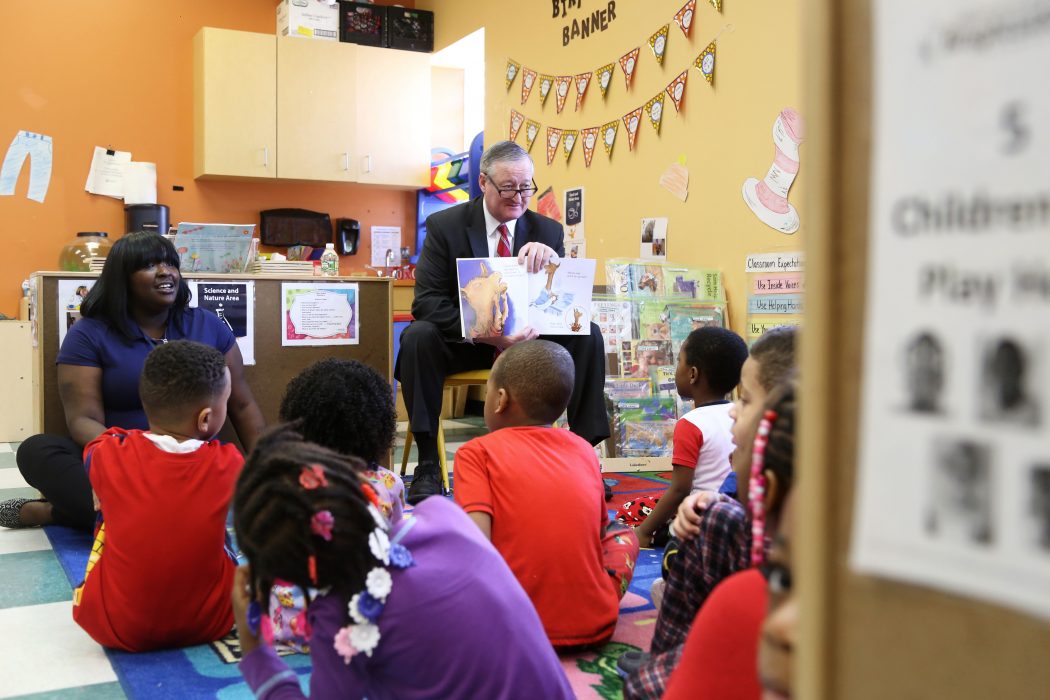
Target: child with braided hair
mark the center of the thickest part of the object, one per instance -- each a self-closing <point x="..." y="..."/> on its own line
<point x="423" y="608"/>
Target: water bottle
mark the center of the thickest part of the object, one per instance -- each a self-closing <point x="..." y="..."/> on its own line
<point x="329" y="261"/>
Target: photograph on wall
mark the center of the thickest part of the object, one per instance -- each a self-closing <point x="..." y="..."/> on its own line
<point x="234" y="304"/>
<point x="70" y="295"/>
<point x="654" y="239"/>
<point x="953" y="438"/>
<point x="319" y="314"/>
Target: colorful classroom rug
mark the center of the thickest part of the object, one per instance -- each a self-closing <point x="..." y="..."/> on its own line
<point x="210" y="671"/>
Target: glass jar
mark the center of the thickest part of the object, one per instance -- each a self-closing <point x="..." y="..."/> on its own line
<point x="76" y="255"/>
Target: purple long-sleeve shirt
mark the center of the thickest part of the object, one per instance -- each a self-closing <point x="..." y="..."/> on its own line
<point x="456" y="625"/>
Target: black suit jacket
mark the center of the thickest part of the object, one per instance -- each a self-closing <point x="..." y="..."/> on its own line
<point x="459" y="232"/>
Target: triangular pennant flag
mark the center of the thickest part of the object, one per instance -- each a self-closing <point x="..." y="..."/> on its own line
<point x="553" y="139"/>
<point x="609" y="135"/>
<point x="532" y="129"/>
<point x="516" y="120"/>
<point x="582" y="81"/>
<point x="546" y="83"/>
<point x="562" y="83"/>
<point x="528" y="79"/>
<point x="705" y="63"/>
<point x="658" y="43"/>
<point x="630" y="122"/>
<point x="512" y="71"/>
<point x="604" y="77"/>
<point x="568" y="142"/>
<point x="717" y="4"/>
<point x="676" y="90"/>
<point x="590" y="140"/>
<point x="684" y="17"/>
<point x="655" y="109"/>
<point x="628" y="62"/>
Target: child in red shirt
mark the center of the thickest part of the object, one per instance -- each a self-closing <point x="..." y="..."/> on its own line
<point x="537" y="493"/>
<point x="159" y="574"/>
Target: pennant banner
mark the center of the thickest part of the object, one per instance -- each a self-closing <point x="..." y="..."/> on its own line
<point x="582" y="81"/>
<point x="630" y="122"/>
<point x="705" y="63"/>
<point x="676" y="90"/>
<point x="562" y="83"/>
<point x="628" y="62"/>
<point x="516" y="120"/>
<point x="658" y="43"/>
<point x="609" y="136"/>
<point x="590" y="140"/>
<point x="568" y="142"/>
<point x="604" y="77"/>
<point x="546" y="83"/>
<point x="717" y="4"/>
<point x="553" y="139"/>
<point x="655" y="109"/>
<point x="684" y="17"/>
<point x="532" y="129"/>
<point x="512" y="72"/>
<point x="528" y="79"/>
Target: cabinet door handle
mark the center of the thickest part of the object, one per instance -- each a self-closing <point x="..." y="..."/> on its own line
<point x="266" y="156"/>
<point x="346" y="160"/>
<point x="368" y="163"/>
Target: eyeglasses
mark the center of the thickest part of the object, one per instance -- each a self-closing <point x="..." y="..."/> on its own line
<point x="510" y="192"/>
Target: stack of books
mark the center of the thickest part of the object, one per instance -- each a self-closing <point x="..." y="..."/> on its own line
<point x="282" y="268"/>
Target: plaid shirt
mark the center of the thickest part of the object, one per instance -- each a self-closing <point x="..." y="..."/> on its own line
<point x="720" y="550"/>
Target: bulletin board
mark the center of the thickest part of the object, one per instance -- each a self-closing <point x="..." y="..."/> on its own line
<point x="863" y="636"/>
<point x="274" y="366"/>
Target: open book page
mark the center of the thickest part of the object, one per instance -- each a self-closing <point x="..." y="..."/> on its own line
<point x="560" y="297"/>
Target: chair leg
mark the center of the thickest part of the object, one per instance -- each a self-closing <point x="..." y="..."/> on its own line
<point x="404" y="455"/>
<point x="442" y="459"/>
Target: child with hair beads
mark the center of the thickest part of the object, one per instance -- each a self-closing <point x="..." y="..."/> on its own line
<point x="575" y="566"/>
<point x="159" y="575"/>
<point x="709" y="363"/>
<point x="423" y="609"/>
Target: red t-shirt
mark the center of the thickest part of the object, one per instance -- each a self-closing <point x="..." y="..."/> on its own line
<point x="720" y="657"/>
<point x="543" y="489"/>
<point x="158" y="575"/>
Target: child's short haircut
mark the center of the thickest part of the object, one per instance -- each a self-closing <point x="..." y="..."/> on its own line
<point x="342" y="405"/>
<point x="718" y="353"/>
<point x="539" y="375"/>
<point x="774" y="352"/>
<point x="182" y="375"/>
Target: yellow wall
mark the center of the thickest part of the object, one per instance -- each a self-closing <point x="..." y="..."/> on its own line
<point x="724" y="132"/>
<point x="119" y="73"/>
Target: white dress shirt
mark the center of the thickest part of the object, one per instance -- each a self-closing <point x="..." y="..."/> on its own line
<point x="490" y="227"/>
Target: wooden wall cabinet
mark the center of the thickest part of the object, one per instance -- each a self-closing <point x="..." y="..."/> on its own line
<point x="339" y="112"/>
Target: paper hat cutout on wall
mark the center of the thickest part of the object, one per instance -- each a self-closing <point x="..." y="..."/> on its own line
<point x="528" y="79"/>
<point x="546" y="83"/>
<point x="512" y="71"/>
<point x="658" y="43"/>
<point x="589" y="136"/>
<point x="568" y="142"/>
<point x="768" y="198"/>
<point x="604" y="77"/>
<point x="684" y="17"/>
<point x="676" y="180"/>
<point x="717" y="4"/>
<point x="628" y="62"/>
<point x="705" y="63"/>
<point x="532" y="130"/>
<point x="553" y="139"/>
<point x="561" y="87"/>
<point x="582" y="81"/>
<point x="609" y="136"/>
<point x="655" y="109"/>
<point x="631" y="120"/>
<point x="676" y="90"/>
<point x="516" y="120"/>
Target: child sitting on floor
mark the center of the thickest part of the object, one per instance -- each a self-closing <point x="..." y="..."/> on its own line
<point x="574" y="566"/>
<point x="159" y="574"/>
<point x="426" y="608"/>
<point x="709" y="363"/>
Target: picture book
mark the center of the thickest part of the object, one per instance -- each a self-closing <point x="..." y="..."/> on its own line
<point x="645" y="427"/>
<point x="613" y="317"/>
<point x="214" y="247"/>
<point x="617" y="388"/>
<point x="499" y="297"/>
<point x="637" y="356"/>
<point x="686" y="318"/>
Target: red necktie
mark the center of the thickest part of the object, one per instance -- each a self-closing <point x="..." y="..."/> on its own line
<point x="503" y="247"/>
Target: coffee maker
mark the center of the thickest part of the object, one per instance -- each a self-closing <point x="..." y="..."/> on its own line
<point x="146" y="217"/>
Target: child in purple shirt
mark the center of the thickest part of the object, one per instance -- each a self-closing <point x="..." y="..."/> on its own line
<point x="424" y="609"/>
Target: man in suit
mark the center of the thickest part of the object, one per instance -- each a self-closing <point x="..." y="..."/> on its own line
<point x="498" y="224"/>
